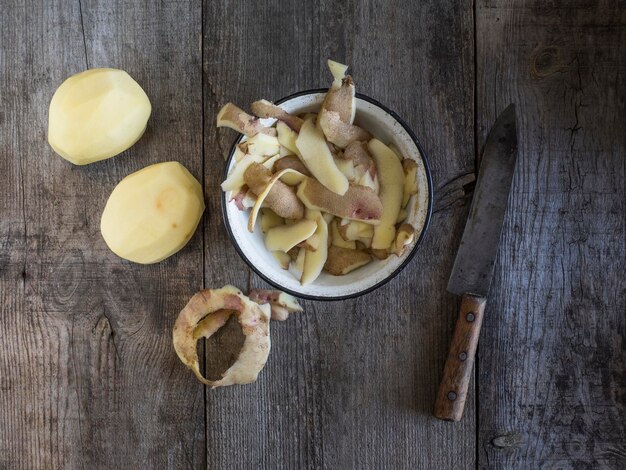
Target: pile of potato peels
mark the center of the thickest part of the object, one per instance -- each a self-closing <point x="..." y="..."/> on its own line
<point x="328" y="194"/>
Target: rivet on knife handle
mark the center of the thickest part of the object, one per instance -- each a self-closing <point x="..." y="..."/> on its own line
<point x="458" y="369"/>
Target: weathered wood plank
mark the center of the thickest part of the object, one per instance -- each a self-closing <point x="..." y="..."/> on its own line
<point x="254" y="50"/>
<point x="552" y="354"/>
<point x="349" y="384"/>
<point x="88" y="375"/>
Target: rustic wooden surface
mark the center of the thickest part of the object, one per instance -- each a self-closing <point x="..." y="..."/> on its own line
<point x="88" y="376"/>
<point x="552" y="360"/>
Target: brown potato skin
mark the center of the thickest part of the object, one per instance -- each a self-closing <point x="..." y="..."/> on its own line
<point x="267" y="109"/>
<point x="293" y="162"/>
<point x="293" y="253"/>
<point x="380" y="254"/>
<point x="338" y="132"/>
<point x="359" y="155"/>
<point x="341" y="261"/>
<point x="237" y="119"/>
<point x="359" y="202"/>
<point x="409" y="165"/>
<point x="340" y="100"/>
<point x="405" y="233"/>
<point x="281" y="199"/>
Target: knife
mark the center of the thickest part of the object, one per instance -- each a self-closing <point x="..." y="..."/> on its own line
<point x="475" y="260"/>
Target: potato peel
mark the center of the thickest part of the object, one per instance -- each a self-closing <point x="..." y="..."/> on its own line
<point x="338" y="70"/>
<point x="342" y="100"/>
<point x="282" y="258"/>
<point x="402" y="215"/>
<point x="235" y="180"/>
<point x="274" y="193"/>
<point x="341" y="261"/>
<point x="318" y="158"/>
<point x="285" y="237"/>
<point x="360" y="157"/>
<point x="338" y="240"/>
<point x="405" y="236"/>
<point x="238" y="197"/>
<point x="293" y="162"/>
<point x="263" y="194"/>
<point x="359" y="202"/>
<point x="338" y="132"/>
<point x="269" y="219"/>
<point x="314" y="260"/>
<point x="328" y="217"/>
<point x="296" y="267"/>
<point x="263" y="144"/>
<point x="410" y="180"/>
<point x="380" y="253"/>
<point x="281" y="303"/>
<point x="211" y="323"/>
<point x="237" y="119"/>
<point x="267" y="109"/>
<point x="205" y="313"/>
<point x="271" y="161"/>
<point x="284" y="151"/>
<point x="391" y="177"/>
<point x="287" y="137"/>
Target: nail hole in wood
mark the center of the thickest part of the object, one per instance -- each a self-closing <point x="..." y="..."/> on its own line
<point x="470" y="317"/>
<point x="463" y="356"/>
<point x="451" y="396"/>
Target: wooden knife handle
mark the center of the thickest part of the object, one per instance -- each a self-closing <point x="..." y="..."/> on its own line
<point x="458" y="369"/>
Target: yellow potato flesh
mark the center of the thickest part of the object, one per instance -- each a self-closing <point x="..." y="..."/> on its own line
<point x="285" y="237"/>
<point x="269" y="163"/>
<point x="338" y="240"/>
<point x="282" y="258"/>
<point x="410" y="181"/>
<point x="97" y="114"/>
<point x="296" y="267"/>
<point x="391" y="178"/>
<point x="314" y="260"/>
<point x="152" y="213"/>
<point x="318" y="159"/>
<point x="269" y="219"/>
<point x="287" y="137"/>
<point x="355" y="230"/>
<point x="235" y="180"/>
<point x="263" y="144"/>
<point x="337" y="69"/>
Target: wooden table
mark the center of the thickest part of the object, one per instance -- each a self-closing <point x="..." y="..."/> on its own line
<point x="88" y="375"/>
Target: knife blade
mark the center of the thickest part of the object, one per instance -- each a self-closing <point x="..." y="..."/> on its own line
<point x="475" y="260"/>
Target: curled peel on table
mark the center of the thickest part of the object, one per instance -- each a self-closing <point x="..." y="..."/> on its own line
<point x="208" y="310"/>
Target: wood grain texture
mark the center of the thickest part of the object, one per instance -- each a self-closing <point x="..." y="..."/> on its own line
<point x="459" y="365"/>
<point x="552" y="353"/>
<point x="349" y="384"/>
<point x="87" y="371"/>
<point x="88" y="375"/>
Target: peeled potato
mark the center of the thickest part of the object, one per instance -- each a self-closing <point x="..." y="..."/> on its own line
<point x="97" y="114"/>
<point x="152" y="213"/>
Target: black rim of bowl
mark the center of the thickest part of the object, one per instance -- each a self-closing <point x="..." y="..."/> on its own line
<point x="408" y="257"/>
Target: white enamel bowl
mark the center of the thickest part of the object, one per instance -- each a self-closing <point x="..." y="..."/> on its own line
<point x="386" y="126"/>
